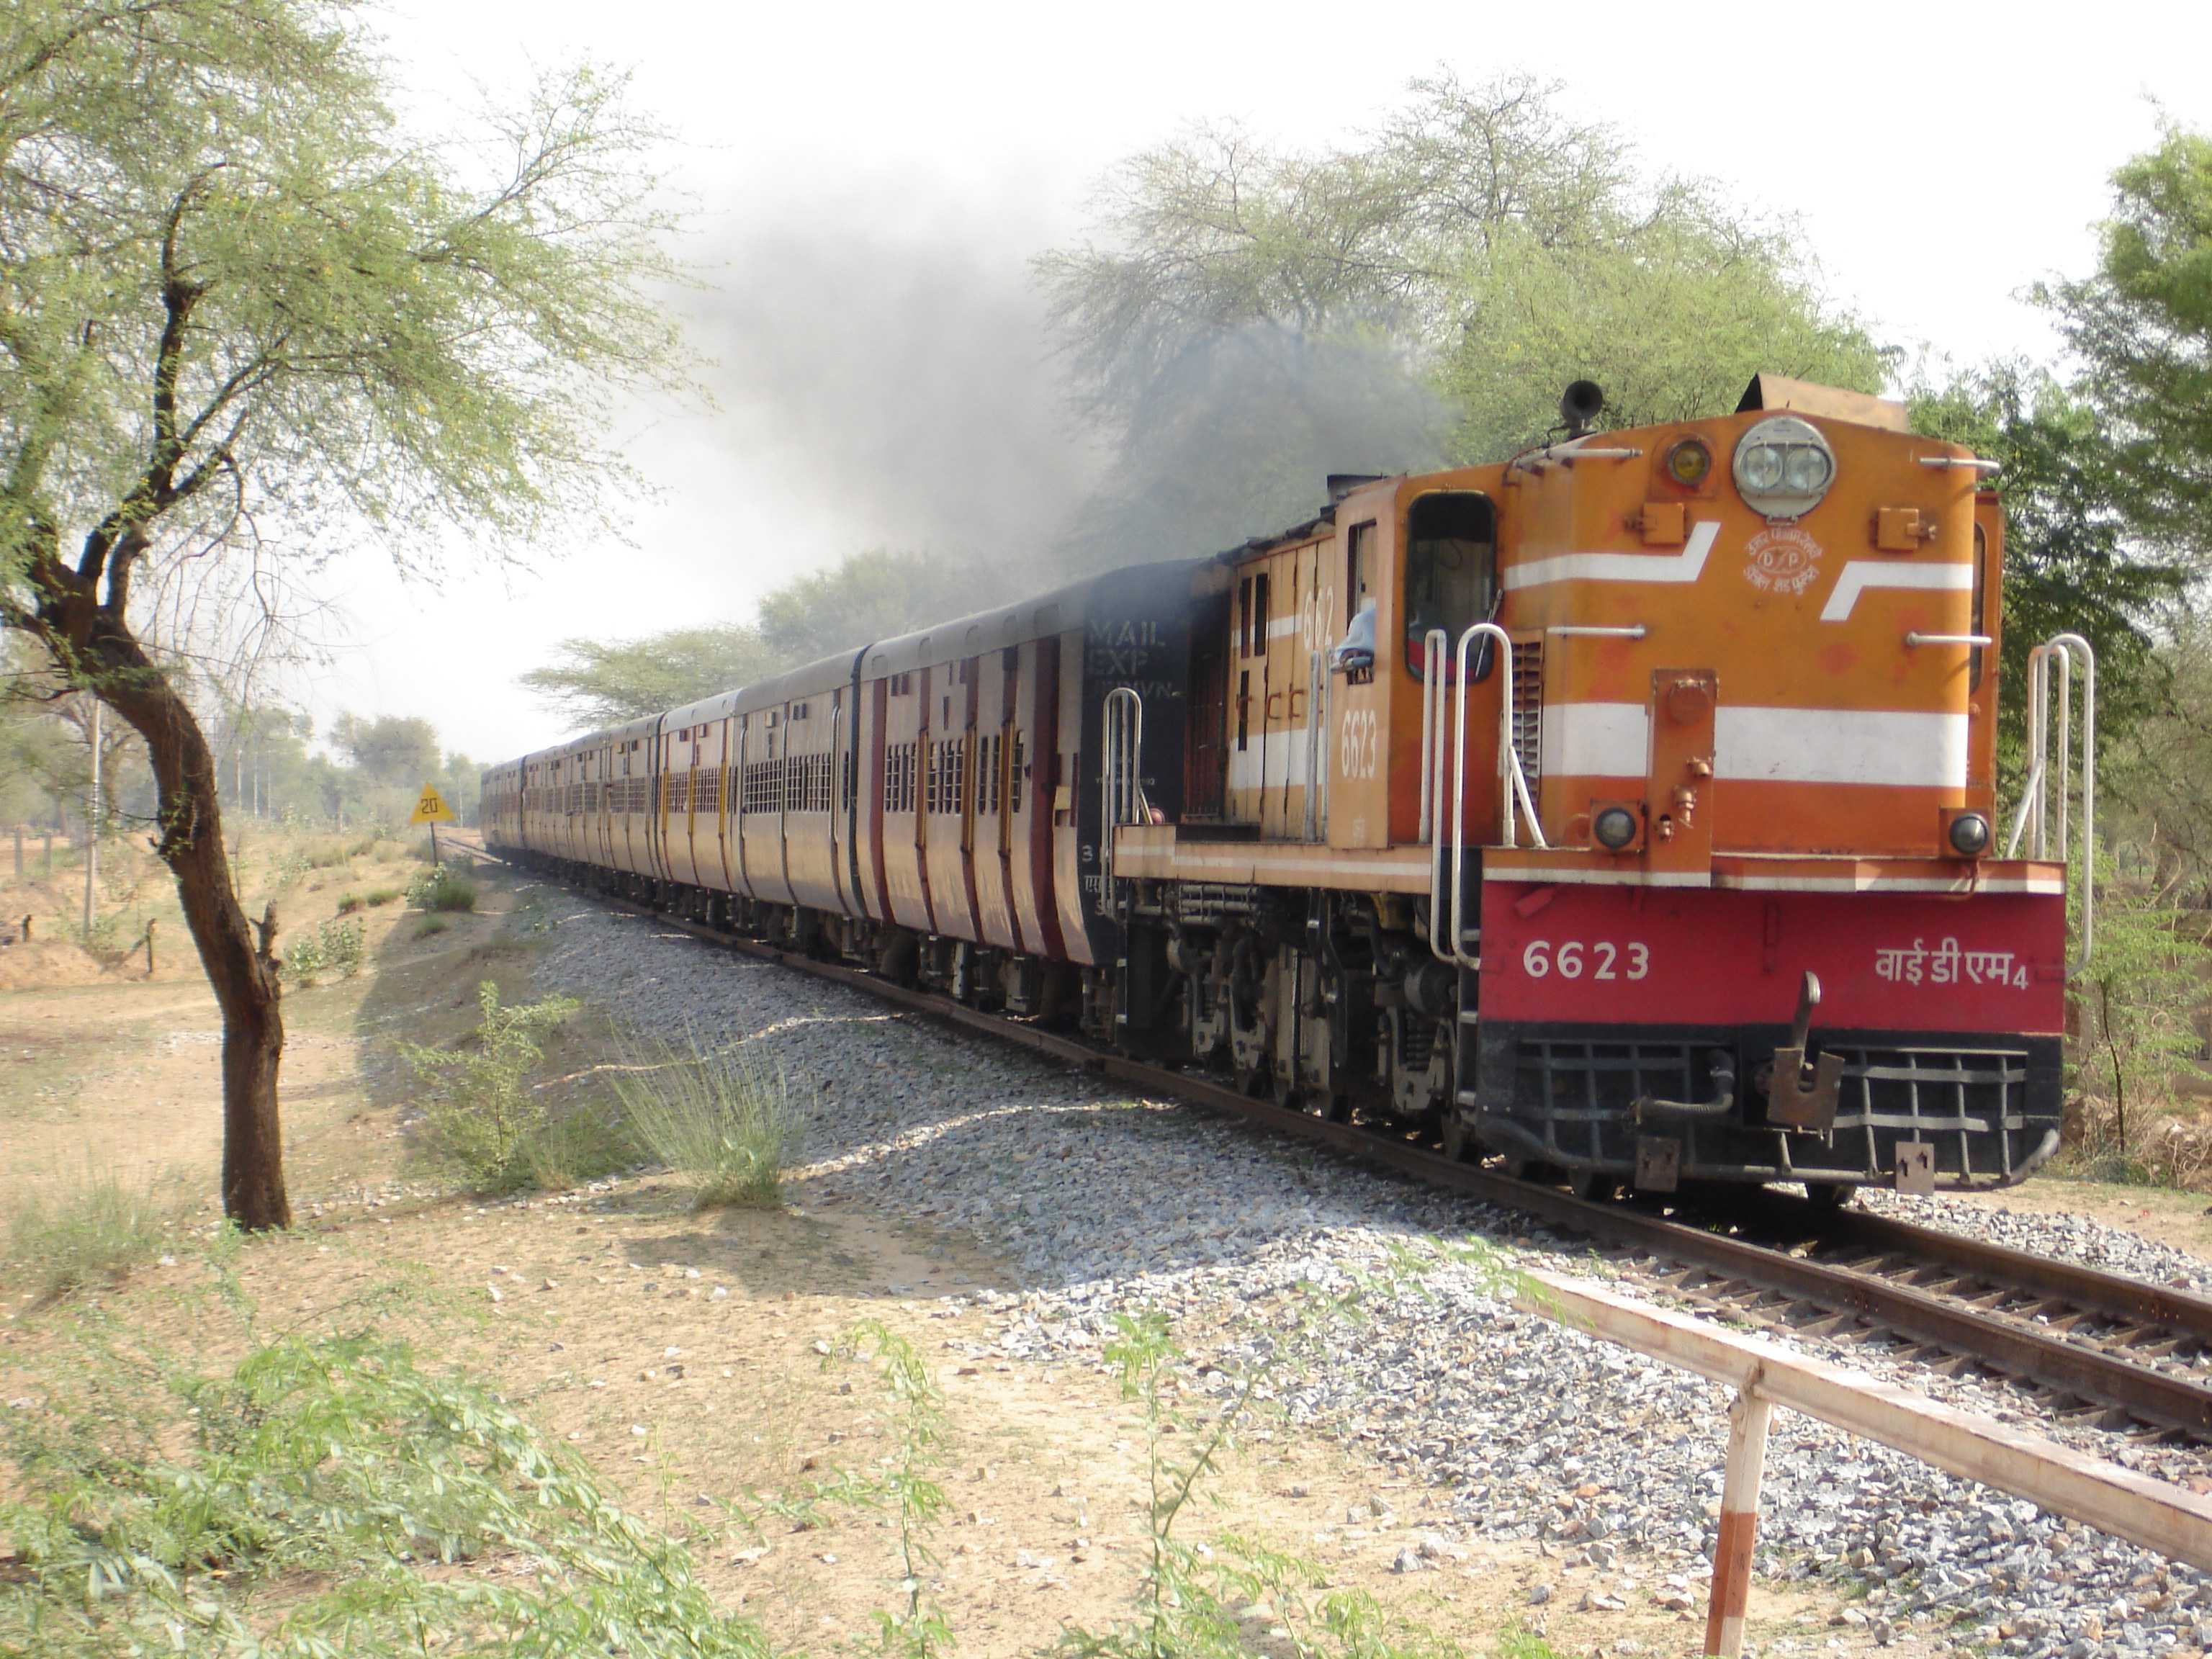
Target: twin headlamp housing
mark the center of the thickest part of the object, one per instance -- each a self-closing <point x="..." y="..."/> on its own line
<point x="1784" y="467"/>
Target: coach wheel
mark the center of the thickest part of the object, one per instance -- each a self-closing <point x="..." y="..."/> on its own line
<point x="1829" y="1194"/>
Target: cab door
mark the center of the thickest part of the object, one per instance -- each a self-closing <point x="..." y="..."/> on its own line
<point x="1251" y="616"/>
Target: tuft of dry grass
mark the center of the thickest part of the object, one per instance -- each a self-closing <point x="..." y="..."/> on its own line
<point x="94" y="1229"/>
<point x="721" y="1118"/>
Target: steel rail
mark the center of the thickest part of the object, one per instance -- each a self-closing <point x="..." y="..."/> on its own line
<point x="2017" y="1350"/>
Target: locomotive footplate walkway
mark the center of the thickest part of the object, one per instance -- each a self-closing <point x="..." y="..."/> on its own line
<point x="2084" y="1341"/>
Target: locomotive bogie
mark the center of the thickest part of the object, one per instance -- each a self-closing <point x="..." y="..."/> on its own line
<point x="1569" y="809"/>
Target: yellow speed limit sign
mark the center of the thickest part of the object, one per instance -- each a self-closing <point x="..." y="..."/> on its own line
<point x="432" y="808"/>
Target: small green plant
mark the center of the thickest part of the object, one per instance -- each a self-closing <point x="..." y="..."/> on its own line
<point x="336" y="949"/>
<point x="315" y="1500"/>
<point x="482" y="1116"/>
<point x="92" y="1230"/>
<point x="377" y="896"/>
<point x="721" y="1118"/>
<point x="350" y="902"/>
<point x="440" y="888"/>
<point x="431" y="925"/>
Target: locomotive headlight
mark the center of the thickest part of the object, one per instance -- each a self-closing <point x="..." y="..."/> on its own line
<point x="1783" y="466"/>
<point x="1970" y="834"/>
<point x="1614" y="827"/>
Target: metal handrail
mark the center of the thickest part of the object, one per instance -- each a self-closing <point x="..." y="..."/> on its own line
<point x="1516" y="793"/>
<point x="2044" y="813"/>
<point x="1122" y="785"/>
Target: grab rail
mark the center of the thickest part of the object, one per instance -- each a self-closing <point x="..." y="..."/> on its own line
<point x="1122" y="785"/>
<point x="2044" y="812"/>
<point x="1515" y="793"/>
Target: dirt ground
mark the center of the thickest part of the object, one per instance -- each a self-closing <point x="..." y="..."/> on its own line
<point x="689" y="1356"/>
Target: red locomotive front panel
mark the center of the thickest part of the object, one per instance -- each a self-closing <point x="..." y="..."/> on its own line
<point x="1641" y="956"/>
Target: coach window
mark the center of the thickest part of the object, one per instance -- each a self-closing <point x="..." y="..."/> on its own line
<point x="1451" y="568"/>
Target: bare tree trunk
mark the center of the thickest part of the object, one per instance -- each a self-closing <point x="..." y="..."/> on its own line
<point x="241" y="969"/>
<point x="97" y="644"/>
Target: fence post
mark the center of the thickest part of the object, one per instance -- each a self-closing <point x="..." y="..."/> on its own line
<point x="1739" y="1530"/>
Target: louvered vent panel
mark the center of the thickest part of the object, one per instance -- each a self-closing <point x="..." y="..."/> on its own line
<point x="1529" y="709"/>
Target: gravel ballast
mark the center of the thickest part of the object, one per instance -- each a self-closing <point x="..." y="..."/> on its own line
<point x="1512" y="1427"/>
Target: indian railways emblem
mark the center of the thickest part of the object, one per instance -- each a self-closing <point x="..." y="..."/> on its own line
<point x="1783" y="560"/>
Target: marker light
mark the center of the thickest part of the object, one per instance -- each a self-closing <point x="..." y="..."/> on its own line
<point x="1783" y="466"/>
<point x="1970" y="834"/>
<point x="1614" y="827"/>
<point x="1688" y="462"/>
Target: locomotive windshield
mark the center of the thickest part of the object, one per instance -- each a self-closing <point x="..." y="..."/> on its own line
<point x="1451" y="568"/>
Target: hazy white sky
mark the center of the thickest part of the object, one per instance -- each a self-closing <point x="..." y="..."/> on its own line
<point x="1939" y="158"/>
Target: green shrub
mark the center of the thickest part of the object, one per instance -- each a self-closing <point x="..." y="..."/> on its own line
<point x="94" y="1231"/>
<point x="350" y="902"/>
<point x="335" y="948"/>
<point x="482" y="1117"/>
<point x="376" y="896"/>
<point x="430" y="925"/>
<point x="311" y="1502"/>
<point x="722" y="1119"/>
<point x="439" y="888"/>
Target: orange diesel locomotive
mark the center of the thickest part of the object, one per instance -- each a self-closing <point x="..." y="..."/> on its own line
<point x="1626" y="810"/>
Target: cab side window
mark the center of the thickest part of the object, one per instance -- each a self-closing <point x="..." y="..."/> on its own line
<point x="1451" y="568"/>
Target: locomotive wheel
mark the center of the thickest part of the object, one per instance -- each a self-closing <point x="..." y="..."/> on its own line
<point x="1596" y="1186"/>
<point x="1460" y="1146"/>
<point x="1534" y="1170"/>
<point x="1336" y="1107"/>
<point x="1829" y="1194"/>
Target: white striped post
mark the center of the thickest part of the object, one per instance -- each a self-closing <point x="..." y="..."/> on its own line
<point x="1739" y="1531"/>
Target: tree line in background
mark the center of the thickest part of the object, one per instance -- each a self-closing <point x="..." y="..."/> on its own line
<point x="369" y="771"/>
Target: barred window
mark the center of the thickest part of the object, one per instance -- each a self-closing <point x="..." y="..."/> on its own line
<point x="948" y="777"/>
<point x="898" y="777"/>
<point x="987" y="750"/>
<point x="806" y="783"/>
<point x="1014" y="776"/>
<point x="679" y="793"/>
<point x="764" y="788"/>
<point x="707" y="789"/>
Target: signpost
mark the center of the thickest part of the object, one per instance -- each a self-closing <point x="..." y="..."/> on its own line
<point x="433" y="810"/>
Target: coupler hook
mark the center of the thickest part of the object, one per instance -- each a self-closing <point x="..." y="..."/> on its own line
<point x="1798" y="1096"/>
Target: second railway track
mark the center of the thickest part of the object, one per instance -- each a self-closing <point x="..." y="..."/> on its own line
<point x="2086" y="1345"/>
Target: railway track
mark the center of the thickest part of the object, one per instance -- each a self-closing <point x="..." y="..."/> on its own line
<point x="2082" y="1345"/>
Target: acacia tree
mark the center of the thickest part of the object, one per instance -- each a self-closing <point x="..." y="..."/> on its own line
<point x="242" y="312"/>
<point x="1246" y="318"/>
